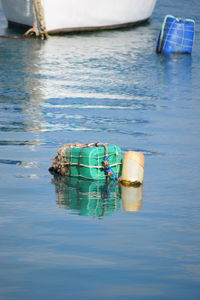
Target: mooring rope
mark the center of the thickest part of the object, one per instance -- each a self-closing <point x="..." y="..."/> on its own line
<point x="39" y="27"/>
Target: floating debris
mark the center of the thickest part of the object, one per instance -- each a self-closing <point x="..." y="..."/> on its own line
<point x="176" y="36"/>
<point x="95" y="161"/>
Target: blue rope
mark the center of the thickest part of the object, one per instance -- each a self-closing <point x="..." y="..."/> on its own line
<point x="108" y="170"/>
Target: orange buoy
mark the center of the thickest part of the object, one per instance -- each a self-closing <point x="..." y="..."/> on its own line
<point x="133" y="168"/>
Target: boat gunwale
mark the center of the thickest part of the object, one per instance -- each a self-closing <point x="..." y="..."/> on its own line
<point x="61" y="31"/>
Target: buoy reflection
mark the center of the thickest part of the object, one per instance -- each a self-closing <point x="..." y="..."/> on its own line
<point x="95" y="198"/>
<point x="131" y="198"/>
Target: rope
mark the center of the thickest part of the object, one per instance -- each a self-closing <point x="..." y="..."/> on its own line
<point x="108" y="170"/>
<point x="39" y="28"/>
<point x="87" y="166"/>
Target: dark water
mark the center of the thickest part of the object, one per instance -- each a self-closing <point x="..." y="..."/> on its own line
<point x="62" y="239"/>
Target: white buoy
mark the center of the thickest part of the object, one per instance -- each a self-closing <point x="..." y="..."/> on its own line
<point x="133" y="168"/>
<point x="131" y="197"/>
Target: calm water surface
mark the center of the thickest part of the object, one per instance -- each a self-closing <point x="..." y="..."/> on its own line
<point x="63" y="239"/>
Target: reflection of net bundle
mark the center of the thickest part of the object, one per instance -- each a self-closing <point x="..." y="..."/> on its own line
<point x="89" y="161"/>
<point x="87" y="197"/>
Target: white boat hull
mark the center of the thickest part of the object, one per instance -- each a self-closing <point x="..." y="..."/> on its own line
<point x="72" y="15"/>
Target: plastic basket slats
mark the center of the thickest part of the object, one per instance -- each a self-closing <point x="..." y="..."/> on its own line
<point x="88" y="162"/>
<point x="176" y="36"/>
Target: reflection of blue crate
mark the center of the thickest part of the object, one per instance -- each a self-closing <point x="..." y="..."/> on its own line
<point x="176" y="36"/>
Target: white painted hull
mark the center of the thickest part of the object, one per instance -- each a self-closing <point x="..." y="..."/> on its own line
<point x="71" y="15"/>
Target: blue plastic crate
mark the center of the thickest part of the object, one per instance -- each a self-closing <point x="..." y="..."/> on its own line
<point x="176" y="36"/>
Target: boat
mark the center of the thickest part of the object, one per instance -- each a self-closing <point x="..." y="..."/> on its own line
<point x="62" y="16"/>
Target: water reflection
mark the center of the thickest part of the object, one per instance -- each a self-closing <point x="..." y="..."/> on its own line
<point x="20" y="89"/>
<point x="95" y="198"/>
<point x="73" y="83"/>
<point x="175" y="71"/>
<point x="87" y="198"/>
<point x="131" y="198"/>
<point x="25" y="164"/>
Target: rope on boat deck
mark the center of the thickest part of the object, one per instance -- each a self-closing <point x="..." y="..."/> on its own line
<point x="39" y="28"/>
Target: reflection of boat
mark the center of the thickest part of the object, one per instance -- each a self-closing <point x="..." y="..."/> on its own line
<point x="87" y="198"/>
<point x="70" y="15"/>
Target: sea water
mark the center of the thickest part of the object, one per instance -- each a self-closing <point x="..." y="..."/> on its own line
<point x="64" y="239"/>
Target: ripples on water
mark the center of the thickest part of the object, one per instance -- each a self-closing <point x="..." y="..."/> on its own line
<point x="108" y="87"/>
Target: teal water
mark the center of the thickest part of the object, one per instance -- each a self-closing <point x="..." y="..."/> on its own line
<point x="62" y="239"/>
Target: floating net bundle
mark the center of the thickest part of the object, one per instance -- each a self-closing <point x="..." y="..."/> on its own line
<point x="89" y="161"/>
